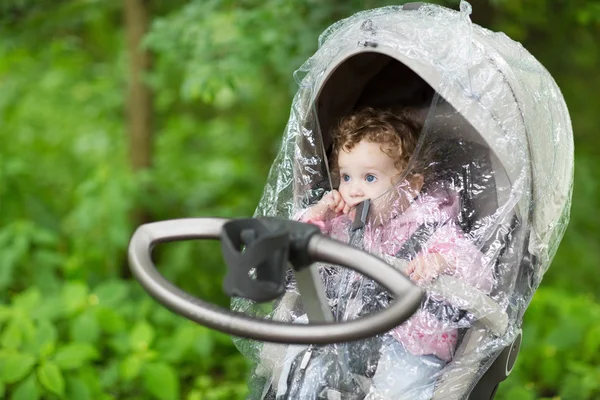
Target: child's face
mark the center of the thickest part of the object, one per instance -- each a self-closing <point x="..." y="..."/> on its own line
<point x="366" y="172"/>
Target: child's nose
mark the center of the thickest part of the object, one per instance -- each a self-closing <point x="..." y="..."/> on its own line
<point x="356" y="190"/>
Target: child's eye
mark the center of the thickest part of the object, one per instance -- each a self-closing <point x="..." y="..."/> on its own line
<point x="345" y="178"/>
<point x="370" y="178"/>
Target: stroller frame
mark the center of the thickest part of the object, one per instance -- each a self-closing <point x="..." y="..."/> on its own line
<point x="528" y="236"/>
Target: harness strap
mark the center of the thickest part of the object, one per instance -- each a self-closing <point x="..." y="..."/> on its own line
<point x="414" y="244"/>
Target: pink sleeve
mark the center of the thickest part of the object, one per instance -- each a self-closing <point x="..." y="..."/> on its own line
<point x="324" y="226"/>
<point x="466" y="261"/>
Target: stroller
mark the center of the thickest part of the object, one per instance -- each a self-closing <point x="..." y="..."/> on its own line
<point x="495" y="133"/>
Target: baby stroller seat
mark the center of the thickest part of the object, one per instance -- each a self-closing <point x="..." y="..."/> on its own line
<point x="466" y="165"/>
<point x="495" y="132"/>
<point x="483" y="101"/>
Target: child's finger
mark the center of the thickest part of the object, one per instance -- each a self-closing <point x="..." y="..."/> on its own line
<point x="415" y="268"/>
<point x="410" y="268"/>
<point x="337" y="197"/>
<point x="330" y="201"/>
<point x="415" y="277"/>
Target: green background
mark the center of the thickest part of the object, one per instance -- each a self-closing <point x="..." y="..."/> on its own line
<point x="73" y="324"/>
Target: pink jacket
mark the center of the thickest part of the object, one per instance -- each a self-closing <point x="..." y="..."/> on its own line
<point x="423" y="333"/>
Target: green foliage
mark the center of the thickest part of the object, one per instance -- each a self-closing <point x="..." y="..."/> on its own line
<point x="560" y="353"/>
<point x="69" y="326"/>
<point x="110" y="341"/>
<point x="576" y="263"/>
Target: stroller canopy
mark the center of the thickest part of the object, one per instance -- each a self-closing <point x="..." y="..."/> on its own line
<point x="491" y="91"/>
<point x="504" y="94"/>
<point x="494" y="117"/>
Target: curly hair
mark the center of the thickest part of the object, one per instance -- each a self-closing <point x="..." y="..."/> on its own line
<point x="398" y="134"/>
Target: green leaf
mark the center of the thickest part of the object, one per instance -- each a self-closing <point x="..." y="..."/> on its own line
<point x="51" y="309"/>
<point x="26" y="390"/>
<point x="74" y="295"/>
<point x="15" y="366"/>
<point x="109" y="376"/>
<point x="5" y="313"/>
<point x="51" y="378"/>
<point x="85" y="328"/>
<point x="12" y="336"/>
<point x="44" y="340"/>
<point x="111" y="293"/>
<point x="28" y="300"/>
<point x="109" y="320"/>
<point x="26" y="326"/>
<point x="551" y="369"/>
<point x="205" y="342"/>
<point x="44" y="236"/>
<point x="194" y="395"/>
<point x="130" y="367"/>
<point x="161" y="381"/>
<point x="141" y="336"/>
<point x="120" y="343"/>
<point x="89" y="374"/>
<point x="174" y="348"/>
<point x="591" y="345"/>
<point x="77" y="389"/>
<point x="566" y="335"/>
<point x="9" y="261"/>
<point x="75" y="355"/>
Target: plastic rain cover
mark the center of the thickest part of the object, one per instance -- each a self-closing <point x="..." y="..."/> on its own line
<point x="495" y="154"/>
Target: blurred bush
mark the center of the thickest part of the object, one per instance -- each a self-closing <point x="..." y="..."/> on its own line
<point x="560" y="353"/>
<point x="110" y="342"/>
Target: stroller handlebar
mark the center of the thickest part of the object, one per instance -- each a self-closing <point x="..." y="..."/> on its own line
<point x="320" y="249"/>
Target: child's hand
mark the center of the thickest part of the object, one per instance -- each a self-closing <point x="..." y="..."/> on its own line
<point x="331" y="202"/>
<point x="334" y="202"/>
<point x="425" y="268"/>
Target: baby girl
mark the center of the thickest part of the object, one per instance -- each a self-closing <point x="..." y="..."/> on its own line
<point x="371" y="154"/>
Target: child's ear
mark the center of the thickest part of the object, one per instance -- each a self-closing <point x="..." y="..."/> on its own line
<point x="416" y="182"/>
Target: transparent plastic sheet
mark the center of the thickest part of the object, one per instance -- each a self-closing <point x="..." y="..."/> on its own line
<point x="495" y="148"/>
